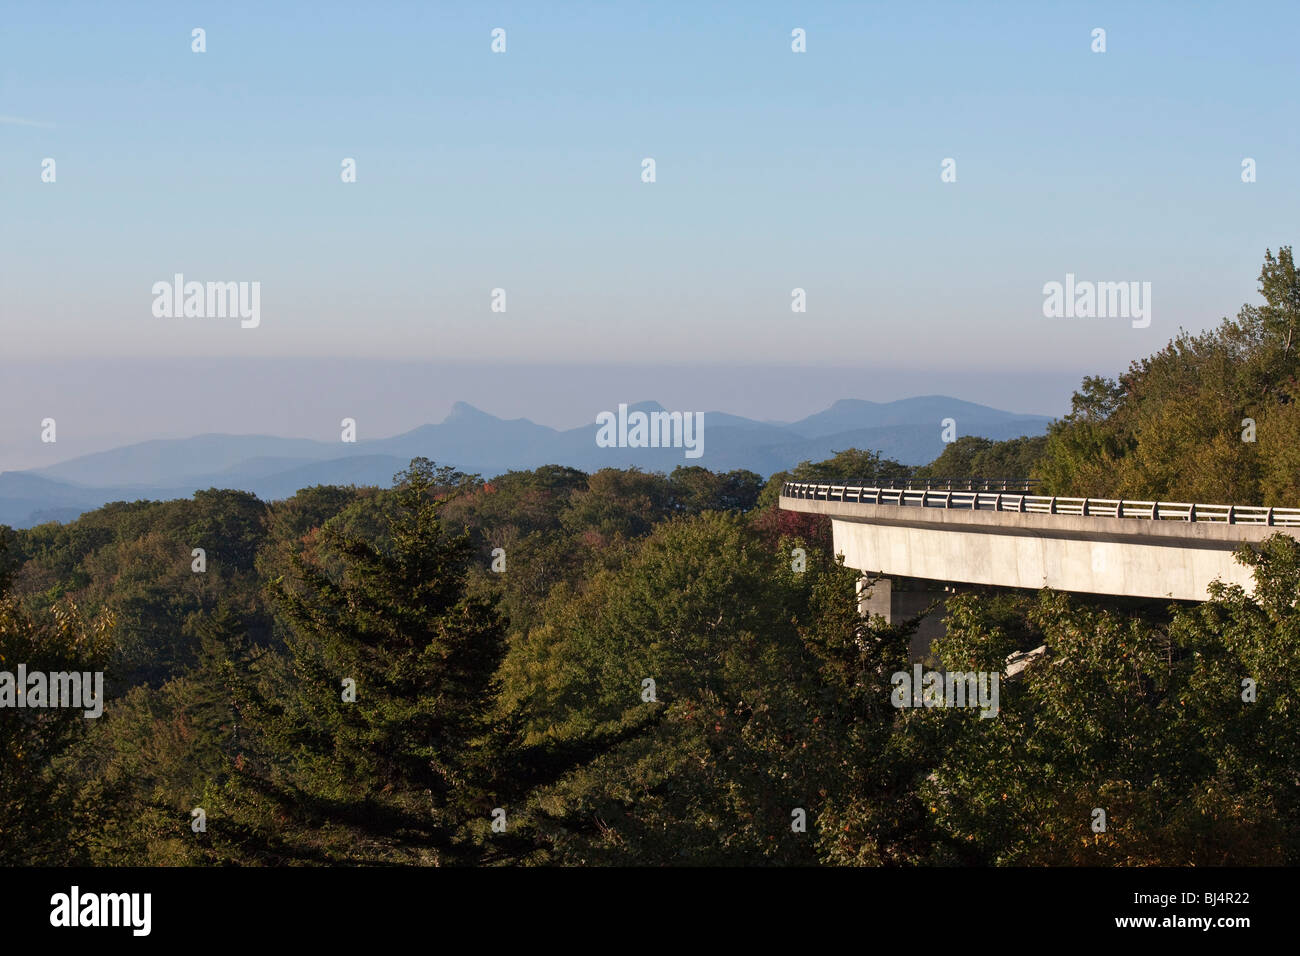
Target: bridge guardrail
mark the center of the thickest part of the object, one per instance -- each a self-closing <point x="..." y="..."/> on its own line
<point x="948" y="484"/>
<point x="975" y="500"/>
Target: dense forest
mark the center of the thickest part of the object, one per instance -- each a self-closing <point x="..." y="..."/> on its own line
<point x="631" y="668"/>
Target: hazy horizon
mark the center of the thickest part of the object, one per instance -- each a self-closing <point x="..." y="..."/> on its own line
<point x="106" y="404"/>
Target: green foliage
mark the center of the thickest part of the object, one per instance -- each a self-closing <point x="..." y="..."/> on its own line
<point x="8" y="557"/>
<point x="394" y="775"/>
<point x="849" y="463"/>
<point x="34" y="800"/>
<point x="696" y="490"/>
<point x="135" y="562"/>
<point x="713" y="618"/>
<point x="1175" y="426"/>
<point x="1144" y="721"/>
<point x="972" y="457"/>
<point x="617" y="504"/>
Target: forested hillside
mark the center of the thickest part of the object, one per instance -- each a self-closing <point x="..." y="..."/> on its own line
<point x="555" y="667"/>
<point x="1211" y="417"/>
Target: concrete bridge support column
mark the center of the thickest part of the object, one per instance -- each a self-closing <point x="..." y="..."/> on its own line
<point x="877" y="597"/>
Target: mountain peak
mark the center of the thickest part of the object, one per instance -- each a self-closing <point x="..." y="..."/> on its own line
<point x="464" y="411"/>
<point x="646" y="406"/>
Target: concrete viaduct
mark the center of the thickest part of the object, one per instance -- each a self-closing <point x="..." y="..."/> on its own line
<point x="994" y="532"/>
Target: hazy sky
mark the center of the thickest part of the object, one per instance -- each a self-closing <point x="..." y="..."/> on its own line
<point x="522" y="171"/>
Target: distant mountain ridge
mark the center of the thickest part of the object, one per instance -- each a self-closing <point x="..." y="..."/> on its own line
<point x="907" y="430"/>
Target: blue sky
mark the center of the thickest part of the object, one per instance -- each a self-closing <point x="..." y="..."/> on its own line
<point x="521" y="171"/>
